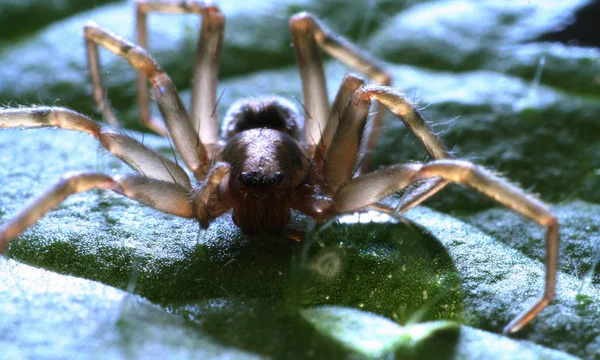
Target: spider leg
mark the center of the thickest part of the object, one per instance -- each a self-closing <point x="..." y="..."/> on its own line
<point x="164" y="196"/>
<point x="516" y="199"/>
<point x="206" y="65"/>
<point x="343" y="151"/>
<point x="93" y="63"/>
<point x="314" y="87"/>
<point x="214" y="188"/>
<point x="349" y="86"/>
<point x="308" y="34"/>
<point x="407" y="112"/>
<point x="180" y="128"/>
<point x="136" y="155"/>
<point x="368" y="189"/>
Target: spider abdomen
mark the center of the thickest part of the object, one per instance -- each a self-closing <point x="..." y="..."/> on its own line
<point x="271" y="112"/>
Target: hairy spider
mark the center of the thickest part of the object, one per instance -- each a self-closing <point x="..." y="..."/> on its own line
<point x="270" y="159"/>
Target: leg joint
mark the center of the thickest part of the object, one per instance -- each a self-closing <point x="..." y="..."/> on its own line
<point x="550" y="221"/>
<point x="302" y="22"/>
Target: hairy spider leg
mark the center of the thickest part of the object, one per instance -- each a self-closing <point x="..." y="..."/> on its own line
<point x="206" y="65"/>
<point x="342" y="152"/>
<point x="205" y="206"/>
<point x="370" y="188"/>
<point x="314" y="86"/>
<point x="352" y="194"/>
<point x="162" y="184"/>
<point x="93" y="64"/>
<point x="516" y="199"/>
<point x="145" y="161"/>
<point x="341" y="156"/>
<point x="308" y="35"/>
<point x="164" y="196"/>
<point x="350" y="84"/>
<point x="180" y="129"/>
<point x="410" y="116"/>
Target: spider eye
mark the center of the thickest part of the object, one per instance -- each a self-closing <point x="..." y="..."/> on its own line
<point x="254" y="180"/>
<point x="245" y="178"/>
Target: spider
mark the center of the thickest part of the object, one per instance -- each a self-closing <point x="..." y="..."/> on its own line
<point x="271" y="158"/>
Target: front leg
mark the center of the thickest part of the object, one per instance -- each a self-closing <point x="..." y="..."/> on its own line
<point x="342" y="153"/>
<point x="161" y="195"/>
<point x="140" y="158"/>
<point x="212" y="199"/>
<point x="516" y="199"/>
<point x="410" y="116"/>
<point x="368" y="189"/>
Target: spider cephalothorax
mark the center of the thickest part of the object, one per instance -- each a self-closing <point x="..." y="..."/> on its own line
<point x="266" y="167"/>
<point x="267" y="161"/>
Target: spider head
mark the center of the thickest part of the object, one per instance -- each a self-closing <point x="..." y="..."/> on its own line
<point x="266" y="166"/>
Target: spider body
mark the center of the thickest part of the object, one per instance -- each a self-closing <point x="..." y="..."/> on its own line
<point x="267" y="166"/>
<point x="271" y="159"/>
<point x="266" y="161"/>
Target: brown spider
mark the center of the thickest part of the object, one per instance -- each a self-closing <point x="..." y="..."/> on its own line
<point x="268" y="161"/>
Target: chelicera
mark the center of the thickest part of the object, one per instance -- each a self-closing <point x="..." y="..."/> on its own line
<point x="271" y="158"/>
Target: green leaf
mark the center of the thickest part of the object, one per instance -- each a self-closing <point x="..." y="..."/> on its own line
<point x="494" y="92"/>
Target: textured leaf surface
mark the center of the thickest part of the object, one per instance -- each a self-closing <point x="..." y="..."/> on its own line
<point x="360" y="288"/>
